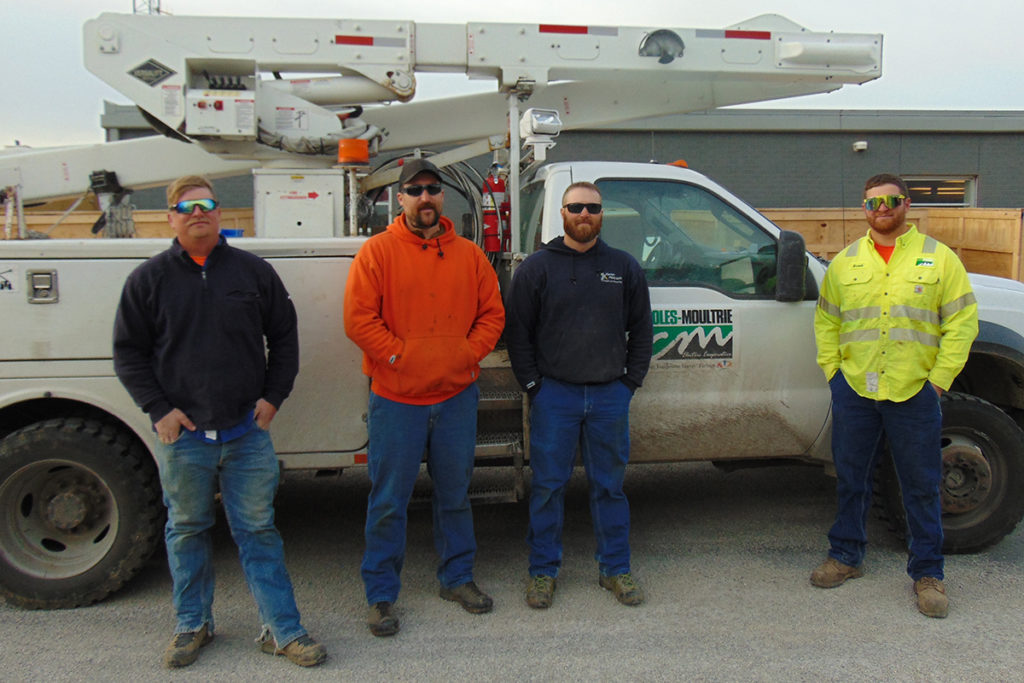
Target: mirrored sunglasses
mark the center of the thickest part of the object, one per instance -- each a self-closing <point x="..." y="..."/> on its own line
<point x="890" y="200"/>
<point x="189" y="205"/>
<point x="577" y="207"/>
<point x="417" y="190"/>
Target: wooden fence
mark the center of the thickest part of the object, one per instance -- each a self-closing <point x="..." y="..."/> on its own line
<point x="78" y="225"/>
<point x="988" y="241"/>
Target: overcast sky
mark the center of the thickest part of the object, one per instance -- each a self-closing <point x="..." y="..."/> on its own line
<point x="938" y="54"/>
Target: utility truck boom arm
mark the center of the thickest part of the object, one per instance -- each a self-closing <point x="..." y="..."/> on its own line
<point x="216" y="80"/>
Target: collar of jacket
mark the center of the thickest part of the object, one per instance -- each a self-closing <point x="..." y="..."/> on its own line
<point x="182" y="255"/>
<point x="903" y="241"/>
<point x="558" y="245"/>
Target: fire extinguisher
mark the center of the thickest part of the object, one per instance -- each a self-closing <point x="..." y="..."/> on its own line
<point x="494" y="203"/>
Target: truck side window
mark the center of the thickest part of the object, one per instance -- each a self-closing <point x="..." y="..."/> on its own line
<point x="684" y="236"/>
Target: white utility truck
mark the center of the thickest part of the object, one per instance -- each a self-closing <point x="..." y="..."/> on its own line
<point x="733" y="377"/>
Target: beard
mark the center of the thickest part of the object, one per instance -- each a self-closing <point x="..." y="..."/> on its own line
<point x="885" y="225"/>
<point x="583" y="232"/>
<point x="416" y="220"/>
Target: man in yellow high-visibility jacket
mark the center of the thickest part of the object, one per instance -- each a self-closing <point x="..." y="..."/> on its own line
<point x="894" y="326"/>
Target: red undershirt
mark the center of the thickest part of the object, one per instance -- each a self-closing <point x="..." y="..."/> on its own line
<point x="884" y="252"/>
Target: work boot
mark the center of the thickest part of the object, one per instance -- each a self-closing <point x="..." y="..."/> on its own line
<point x="472" y="599"/>
<point x="931" y="597"/>
<point x="540" y="592"/>
<point x="382" y="620"/>
<point x="303" y="651"/>
<point x="184" y="647"/>
<point x="832" y="573"/>
<point x="626" y="590"/>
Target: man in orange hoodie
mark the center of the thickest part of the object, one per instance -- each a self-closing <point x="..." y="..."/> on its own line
<point x="424" y="306"/>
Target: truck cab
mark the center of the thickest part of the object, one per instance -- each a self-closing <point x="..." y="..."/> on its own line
<point x="721" y="301"/>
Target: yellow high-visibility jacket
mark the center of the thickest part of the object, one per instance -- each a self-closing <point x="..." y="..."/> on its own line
<point x="891" y="326"/>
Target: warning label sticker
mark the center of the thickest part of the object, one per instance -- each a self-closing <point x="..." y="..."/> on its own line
<point x="8" y="279"/>
<point x="172" y="100"/>
<point x="291" y="118"/>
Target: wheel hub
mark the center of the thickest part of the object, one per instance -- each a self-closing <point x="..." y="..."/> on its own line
<point x="67" y="510"/>
<point x="966" y="478"/>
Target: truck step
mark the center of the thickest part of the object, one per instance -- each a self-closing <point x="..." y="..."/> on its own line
<point x="500" y="400"/>
<point x="421" y="496"/>
<point x="498" y="444"/>
<point x="493" y="494"/>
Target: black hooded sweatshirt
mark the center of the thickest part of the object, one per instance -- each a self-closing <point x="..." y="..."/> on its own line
<point x="582" y="318"/>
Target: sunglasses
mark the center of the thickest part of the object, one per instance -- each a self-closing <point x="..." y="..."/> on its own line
<point x="890" y="200"/>
<point x="577" y="207"/>
<point x="417" y="190"/>
<point x="189" y="205"/>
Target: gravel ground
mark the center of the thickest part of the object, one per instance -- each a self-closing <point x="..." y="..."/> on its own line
<point x="724" y="559"/>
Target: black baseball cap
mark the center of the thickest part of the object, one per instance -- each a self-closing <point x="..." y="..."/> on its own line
<point x="413" y="167"/>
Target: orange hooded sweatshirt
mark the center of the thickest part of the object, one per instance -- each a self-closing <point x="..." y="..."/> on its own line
<point x="424" y="312"/>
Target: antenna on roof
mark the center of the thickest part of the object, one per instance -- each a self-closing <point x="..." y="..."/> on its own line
<point x="145" y="6"/>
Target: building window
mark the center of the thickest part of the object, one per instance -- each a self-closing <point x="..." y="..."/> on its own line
<point x="942" y="191"/>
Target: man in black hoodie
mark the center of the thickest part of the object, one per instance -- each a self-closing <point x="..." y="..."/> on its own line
<point x="579" y="337"/>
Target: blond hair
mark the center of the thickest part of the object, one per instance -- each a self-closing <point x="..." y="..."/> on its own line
<point x="184" y="184"/>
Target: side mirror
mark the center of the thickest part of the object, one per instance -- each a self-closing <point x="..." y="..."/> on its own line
<point x="791" y="267"/>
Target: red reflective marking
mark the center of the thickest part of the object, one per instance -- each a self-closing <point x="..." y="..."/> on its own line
<point x="359" y="459"/>
<point x="353" y="40"/>
<point x="749" y="35"/>
<point x="562" y="28"/>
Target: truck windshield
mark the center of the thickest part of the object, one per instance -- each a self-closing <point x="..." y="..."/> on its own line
<point x="684" y="236"/>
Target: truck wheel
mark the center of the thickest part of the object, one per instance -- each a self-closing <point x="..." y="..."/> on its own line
<point x="982" y="475"/>
<point x="80" y="512"/>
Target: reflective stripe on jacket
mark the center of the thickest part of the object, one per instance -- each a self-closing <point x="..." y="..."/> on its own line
<point x="891" y="326"/>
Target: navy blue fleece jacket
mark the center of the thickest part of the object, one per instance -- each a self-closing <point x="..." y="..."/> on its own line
<point x="583" y="318"/>
<point x="192" y="337"/>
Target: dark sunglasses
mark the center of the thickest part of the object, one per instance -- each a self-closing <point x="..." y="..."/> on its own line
<point x="890" y="200"/>
<point x="417" y="190"/>
<point x="577" y="207"/>
<point x="189" y="205"/>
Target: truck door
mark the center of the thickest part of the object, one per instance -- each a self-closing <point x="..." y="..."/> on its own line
<point x="733" y="373"/>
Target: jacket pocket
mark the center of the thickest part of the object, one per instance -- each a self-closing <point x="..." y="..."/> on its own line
<point x="434" y="365"/>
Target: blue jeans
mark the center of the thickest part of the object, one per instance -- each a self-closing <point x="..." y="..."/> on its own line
<point x="597" y="418"/>
<point x="913" y="428"/>
<point x="248" y="472"/>
<point x="400" y="434"/>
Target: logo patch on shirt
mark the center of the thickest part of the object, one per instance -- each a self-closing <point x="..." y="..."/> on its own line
<point x="857" y="265"/>
<point x="918" y="289"/>
<point x="925" y="262"/>
<point x="611" y="277"/>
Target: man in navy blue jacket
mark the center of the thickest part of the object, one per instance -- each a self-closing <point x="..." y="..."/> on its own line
<point x="189" y="348"/>
<point x="579" y="337"/>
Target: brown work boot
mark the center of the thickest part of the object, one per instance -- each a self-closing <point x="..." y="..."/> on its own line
<point x="472" y="599"/>
<point x="540" y="592"/>
<point x="303" y="651"/>
<point x="626" y="589"/>
<point x="382" y="620"/>
<point x="832" y="573"/>
<point x="931" y="597"/>
<point x="184" y="647"/>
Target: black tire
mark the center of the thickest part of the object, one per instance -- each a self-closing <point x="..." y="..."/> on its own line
<point x="80" y="512"/>
<point x="983" y="476"/>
